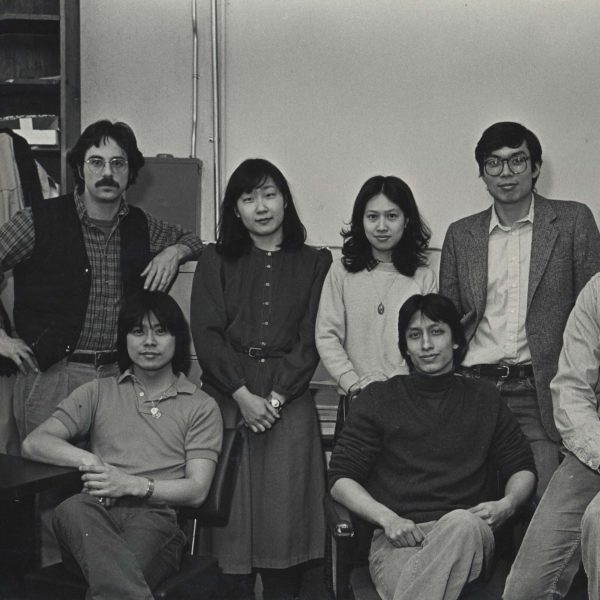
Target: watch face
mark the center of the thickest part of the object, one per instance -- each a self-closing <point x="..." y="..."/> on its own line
<point x="275" y="403"/>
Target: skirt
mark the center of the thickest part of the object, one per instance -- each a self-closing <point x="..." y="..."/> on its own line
<point x="277" y="518"/>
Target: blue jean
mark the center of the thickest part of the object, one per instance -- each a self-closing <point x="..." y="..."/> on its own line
<point x="520" y="396"/>
<point x="124" y="551"/>
<point x="457" y="549"/>
<point x="565" y="528"/>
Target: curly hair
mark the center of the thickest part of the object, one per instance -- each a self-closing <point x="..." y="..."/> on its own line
<point x="410" y="252"/>
<point x="233" y="239"/>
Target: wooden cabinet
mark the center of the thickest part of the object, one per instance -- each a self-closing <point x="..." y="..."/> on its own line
<point x="39" y="72"/>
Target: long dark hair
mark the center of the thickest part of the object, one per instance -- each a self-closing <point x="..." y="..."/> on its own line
<point x="169" y="315"/>
<point x="437" y="308"/>
<point x="233" y="239"/>
<point x="410" y="252"/>
<point x="94" y="135"/>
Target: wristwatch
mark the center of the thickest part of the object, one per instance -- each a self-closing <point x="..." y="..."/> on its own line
<point x="275" y="403"/>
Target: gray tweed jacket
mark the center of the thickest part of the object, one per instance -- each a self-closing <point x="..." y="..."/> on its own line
<point x="565" y="253"/>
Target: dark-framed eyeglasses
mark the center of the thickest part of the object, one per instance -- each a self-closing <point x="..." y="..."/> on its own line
<point x="517" y="163"/>
<point x="96" y="164"/>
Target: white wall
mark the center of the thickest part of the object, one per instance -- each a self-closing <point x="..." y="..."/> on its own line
<point x="136" y="66"/>
<point x="334" y="91"/>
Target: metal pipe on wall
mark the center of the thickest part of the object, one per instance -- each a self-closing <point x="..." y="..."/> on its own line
<point x="195" y="78"/>
<point x="216" y="140"/>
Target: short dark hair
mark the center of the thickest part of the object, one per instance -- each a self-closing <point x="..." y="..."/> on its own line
<point x="169" y="315"/>
<point x="437" y="308"/>
<point x="511" y="135"/>
<point x="94" y="135"/>
<point x="233" y="239"/>
<point x="410" y="252"/>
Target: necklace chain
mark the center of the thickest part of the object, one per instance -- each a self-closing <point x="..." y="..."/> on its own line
<point x="155" y="411"/>
<point x="381" y="305"/>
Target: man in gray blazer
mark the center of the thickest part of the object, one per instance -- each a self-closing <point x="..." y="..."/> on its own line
<point x="514" y="272"/>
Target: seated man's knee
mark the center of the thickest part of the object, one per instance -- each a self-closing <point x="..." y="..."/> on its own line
<point x="72" y="510"/>
<point x="463" y="520"/>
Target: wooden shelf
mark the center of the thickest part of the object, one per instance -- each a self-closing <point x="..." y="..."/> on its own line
<point x="30" y="86"/>
<point x="39" y="71"/>
<point x="28" y="23"/>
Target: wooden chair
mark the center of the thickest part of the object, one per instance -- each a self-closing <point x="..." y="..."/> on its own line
<point x="199" y="576"/>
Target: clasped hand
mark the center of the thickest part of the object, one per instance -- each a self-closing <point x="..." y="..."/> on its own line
<point x="258" y="414"/>
<point x="103" y="480"/>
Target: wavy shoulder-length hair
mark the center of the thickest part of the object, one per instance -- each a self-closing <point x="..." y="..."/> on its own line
<point x="233" y="239"/>
<point x="410" y="252"/>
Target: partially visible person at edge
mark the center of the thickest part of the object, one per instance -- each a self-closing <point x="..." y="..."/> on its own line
<point x="565" y="529"/>
<point x="74" y="258"/>
<point x="514" y="272"/>
<point x="154" y="442"/>
<point x="383" y="263"/>
<point x="414" y="459"/>
<point x="253" y="308"/>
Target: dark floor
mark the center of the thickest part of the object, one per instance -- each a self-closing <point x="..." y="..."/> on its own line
<point x="314" y="588"/>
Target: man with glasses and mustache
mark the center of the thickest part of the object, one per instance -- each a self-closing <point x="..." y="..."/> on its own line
<point x="514" y="271"/>
<point x="74" y="259"/>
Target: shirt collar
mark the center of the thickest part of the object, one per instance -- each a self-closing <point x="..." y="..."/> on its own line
<point x="182" y="384"/>
<point x="83" y="214"/>
<point x="495" y="222"/>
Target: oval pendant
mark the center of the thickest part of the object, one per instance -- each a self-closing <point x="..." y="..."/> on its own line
<point x="381" y="308"/>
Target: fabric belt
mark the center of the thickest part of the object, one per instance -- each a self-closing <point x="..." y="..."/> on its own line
<point x="503" y="371"/>
<point x="98" y="359"/>
<point x="258" y="352"/>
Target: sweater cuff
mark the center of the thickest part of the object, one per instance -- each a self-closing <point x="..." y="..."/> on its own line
<point x="347" y="380"/>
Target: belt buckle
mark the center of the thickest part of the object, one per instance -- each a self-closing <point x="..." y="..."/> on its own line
<point x="97" y="359"/>
<point x="255" y="352"/>
<point x="506" y="374"/>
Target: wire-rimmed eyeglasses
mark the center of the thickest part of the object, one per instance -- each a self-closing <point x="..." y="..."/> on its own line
<point x="96" y="164"/>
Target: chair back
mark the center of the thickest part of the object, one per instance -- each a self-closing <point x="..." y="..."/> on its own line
<point x="216" y="507"/>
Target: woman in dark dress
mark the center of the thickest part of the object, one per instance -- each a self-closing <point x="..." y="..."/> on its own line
<point x="254" y="302"/>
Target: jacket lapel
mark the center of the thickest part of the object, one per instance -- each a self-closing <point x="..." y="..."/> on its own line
<point x="542" y="242"/>
<point x="478" y="259"/>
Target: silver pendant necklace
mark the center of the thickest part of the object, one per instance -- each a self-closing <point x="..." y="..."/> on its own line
<point x="155" y="411"/>
<point x="381" y="305"/>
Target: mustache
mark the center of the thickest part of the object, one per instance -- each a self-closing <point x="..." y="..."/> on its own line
<point x="107" y="182"/>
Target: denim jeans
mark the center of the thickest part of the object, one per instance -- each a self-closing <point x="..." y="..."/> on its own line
<point x="564" y="529"/>
<point x="457" y="549"/>
<point x="124" y="551"/>
<point x="520" y="396"/>
<point x="36" y="395"/>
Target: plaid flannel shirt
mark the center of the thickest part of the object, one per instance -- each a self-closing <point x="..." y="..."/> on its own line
<point x="99" y="331"/>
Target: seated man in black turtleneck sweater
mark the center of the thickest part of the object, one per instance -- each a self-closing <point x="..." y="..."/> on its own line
<point x="414" y="458"/>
